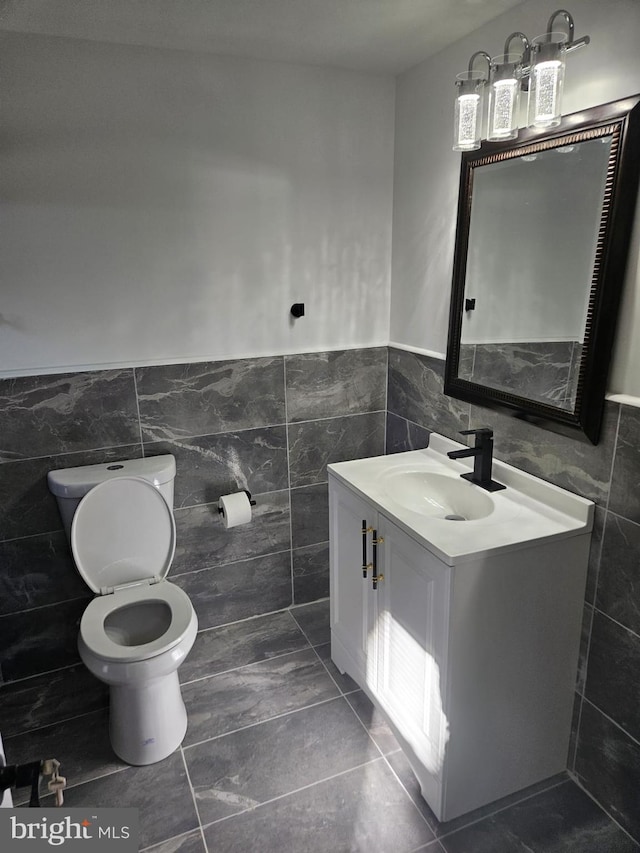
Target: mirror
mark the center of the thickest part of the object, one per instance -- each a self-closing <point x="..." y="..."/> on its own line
<point x="544" y="224"/>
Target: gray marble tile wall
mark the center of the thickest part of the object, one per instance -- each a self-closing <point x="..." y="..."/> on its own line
<point x="543" y="371"/>
<point x="605" y="751"/>
<point x="270" y="425"/>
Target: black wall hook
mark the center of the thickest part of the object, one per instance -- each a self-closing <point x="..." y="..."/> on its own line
<point x="297" y="309"/>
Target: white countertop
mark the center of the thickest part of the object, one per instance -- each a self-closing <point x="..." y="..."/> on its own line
<point x="528" y="510"/>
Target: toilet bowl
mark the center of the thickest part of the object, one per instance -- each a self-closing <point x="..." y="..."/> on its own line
<point x="140" y="627"/>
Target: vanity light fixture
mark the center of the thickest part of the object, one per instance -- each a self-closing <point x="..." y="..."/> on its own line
<point x="469" y="106"/>
<point x="505" y="75"/>
<point x="538" y="68"/>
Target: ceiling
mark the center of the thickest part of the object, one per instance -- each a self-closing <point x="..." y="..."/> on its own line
<point x="385" y="36"/>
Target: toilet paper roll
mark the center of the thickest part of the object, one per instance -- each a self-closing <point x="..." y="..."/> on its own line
<point x="235" y="509"/>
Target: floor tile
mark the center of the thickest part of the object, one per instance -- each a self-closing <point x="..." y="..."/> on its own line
<point x="255" y="693"/>
<point x="242" y="643"/>
<point x="280" y="760"/>
<point x="314" y="621"/>
<point x="160" y="792"/>
<point x="373" y="721"/>
<point x="401" y="767"/>
<point x="190" y="843"/>
<point x="243" y="769"/>
<point x="560" y="820"/>
<point x="362" y="810"/>
<point x="344" y="681"/>
<point x="81" y="745"/>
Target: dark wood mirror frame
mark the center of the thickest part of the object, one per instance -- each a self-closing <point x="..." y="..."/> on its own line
<point x="621" y="120"/>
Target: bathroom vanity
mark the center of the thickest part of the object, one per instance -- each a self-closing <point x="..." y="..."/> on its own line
<point x="459" y="613"/>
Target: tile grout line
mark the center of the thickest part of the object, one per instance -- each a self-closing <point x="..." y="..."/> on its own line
<point x="192" y="681"/>
<point x="57" y="723"/>
<point x="295" y="791"/>
<point x="369" y="735"/>
<point x="504" y="808"/>
<point x="193" y="797"/>
<point x="415" y="805"/>
<point x="68" y="452"/>
<point x="582" y="693"/>
<point x="174" y="575"/>
<point x="386" y="399"/>
<point x="262" y="722"/>
<point x="615" y="622"/>
<point x="633" y="739"/>
<point x="173" y="838"/>
<point x="135" y="391"/>
<point x="286" y="434"/>
<point x="613" y="461"/>
<point x="86" y="598"/>
<point x="384" y="758"/>
<point x="576" y="781"/>
<point x="202" y="678"/>
<point x="429" y="846"/>
<point x="326" y="669"/>
<point x="178" y="439"/>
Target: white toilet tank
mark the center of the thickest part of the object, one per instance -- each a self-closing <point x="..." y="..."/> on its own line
<point x="70" y="485"/>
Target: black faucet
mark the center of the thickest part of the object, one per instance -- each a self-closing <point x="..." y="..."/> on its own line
<point x="483" y="457"/>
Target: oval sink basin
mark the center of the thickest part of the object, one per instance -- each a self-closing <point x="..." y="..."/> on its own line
<point x="438" y="495"/>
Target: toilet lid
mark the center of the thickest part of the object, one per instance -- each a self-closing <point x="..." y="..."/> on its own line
<point x="122" y="532"/>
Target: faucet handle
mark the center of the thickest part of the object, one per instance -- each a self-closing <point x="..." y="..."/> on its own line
<point x="484" y="432"/>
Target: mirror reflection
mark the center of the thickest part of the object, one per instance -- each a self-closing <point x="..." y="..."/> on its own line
<point x="542" y="241"/>
<point x="533" y="235"/>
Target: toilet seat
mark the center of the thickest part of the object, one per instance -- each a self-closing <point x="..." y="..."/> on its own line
<point x="123" y="539"/>
<point x="123" y="532"/>
<point x="92" y="624"/>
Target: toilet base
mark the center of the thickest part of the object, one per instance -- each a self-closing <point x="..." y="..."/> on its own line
<point x="147" y="722"/>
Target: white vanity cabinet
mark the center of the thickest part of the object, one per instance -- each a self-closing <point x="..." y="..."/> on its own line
<point x="472" y="664"/>
<point x="392" y="638"/>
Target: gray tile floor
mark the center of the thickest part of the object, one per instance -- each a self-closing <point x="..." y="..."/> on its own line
<point x="285" y="754"/>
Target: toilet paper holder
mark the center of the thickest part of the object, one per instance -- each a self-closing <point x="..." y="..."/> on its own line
<point x="247" y="493"/>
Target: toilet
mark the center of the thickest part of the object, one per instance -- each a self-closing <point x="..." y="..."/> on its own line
<point x="139" y="628"/>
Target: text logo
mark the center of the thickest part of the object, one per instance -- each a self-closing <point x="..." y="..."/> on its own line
<point x="33" y="830"/>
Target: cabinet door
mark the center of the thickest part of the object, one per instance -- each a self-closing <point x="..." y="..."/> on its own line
<point x="411" y="626"/>
<point x="349" y="589"/>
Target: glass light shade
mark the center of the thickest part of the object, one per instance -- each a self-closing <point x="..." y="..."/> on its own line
<point x="547" y="79"/>
<point x="504" y="97"/>
<point x="468" y="110"/>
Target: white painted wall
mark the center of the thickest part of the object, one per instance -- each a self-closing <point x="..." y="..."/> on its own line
<point x="158" y="206"/>
<point x="427" y="170"/>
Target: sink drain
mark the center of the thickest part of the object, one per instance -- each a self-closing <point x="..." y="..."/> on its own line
<point x="454" y="517"/>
